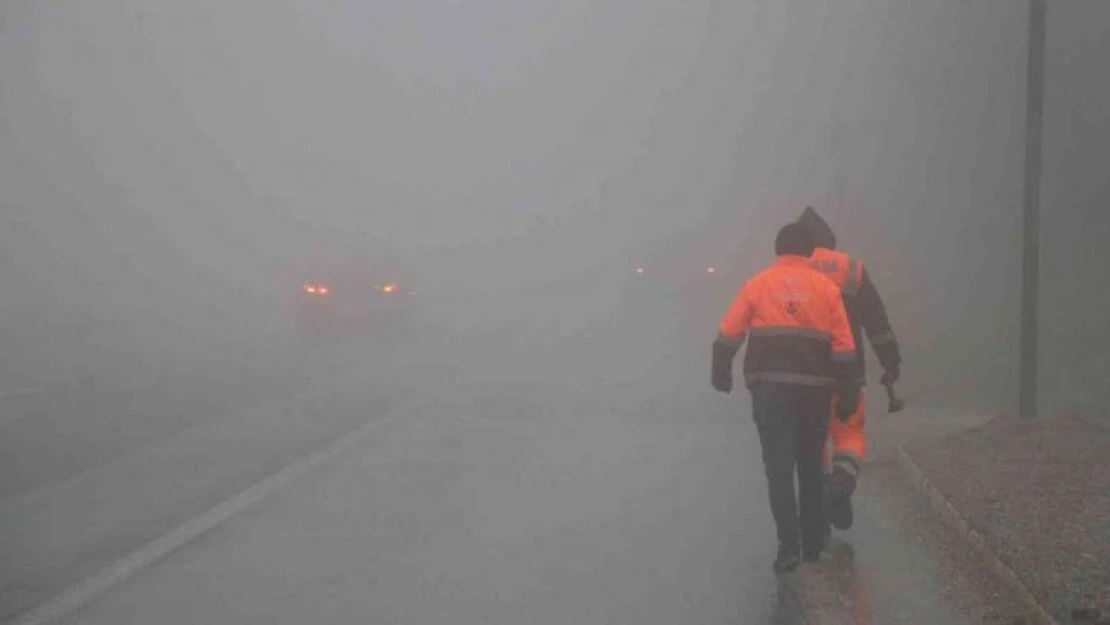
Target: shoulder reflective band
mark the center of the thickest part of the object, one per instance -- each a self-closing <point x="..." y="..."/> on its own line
<point x="801" y="331"/>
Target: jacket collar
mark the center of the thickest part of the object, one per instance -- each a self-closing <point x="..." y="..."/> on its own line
<point x="793" y="260"/>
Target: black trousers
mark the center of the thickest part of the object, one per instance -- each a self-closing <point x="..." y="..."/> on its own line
<point x="793" y="422"/>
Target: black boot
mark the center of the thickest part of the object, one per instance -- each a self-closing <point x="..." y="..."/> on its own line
<point x="787" y="559"/>
<point x="814" y="546"/>
<point x="813" y="552"/>
<point x="841" y="485"/>
<point x="841" y="514"/>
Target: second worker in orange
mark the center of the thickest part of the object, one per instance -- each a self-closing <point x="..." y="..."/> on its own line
<point x="866" y="312"/>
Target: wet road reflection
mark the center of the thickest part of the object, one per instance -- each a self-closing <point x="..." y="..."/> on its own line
<point x="853" y="589"/>
<point x="842" y="589"/>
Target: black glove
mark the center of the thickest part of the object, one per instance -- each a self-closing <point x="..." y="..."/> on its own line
<point x="722" y="381"/>
<point x="846" y="403"/>
<point x="722" y="366"/>
<point x="891" y="375"/>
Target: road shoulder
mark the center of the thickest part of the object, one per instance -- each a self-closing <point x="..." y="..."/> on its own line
<point x="1033" y="499"/>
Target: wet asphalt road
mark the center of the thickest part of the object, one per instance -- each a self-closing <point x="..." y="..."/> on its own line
<point x="89" y="475"/>
<point x="585" y="478"/>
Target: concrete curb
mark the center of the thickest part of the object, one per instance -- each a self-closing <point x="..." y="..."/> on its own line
<point x="974" y="538"/>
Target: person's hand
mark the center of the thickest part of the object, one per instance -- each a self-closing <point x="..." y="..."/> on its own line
<point x="847" y="402"/>
<point x="722" y="366"/>
<point x="891" y="375"/>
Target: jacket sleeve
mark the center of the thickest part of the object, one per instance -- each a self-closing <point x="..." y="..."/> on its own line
<point x="734" y="326"/>
<point x="845" y="366"/>
<point x="874" y="320"/>
<point x="732" y="331"/>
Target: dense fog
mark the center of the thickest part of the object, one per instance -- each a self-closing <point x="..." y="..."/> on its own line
<point x="170" y="172"/>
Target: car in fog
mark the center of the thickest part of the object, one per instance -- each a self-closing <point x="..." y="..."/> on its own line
<point x="346" y="303"/>
<point x="677" y="279"/>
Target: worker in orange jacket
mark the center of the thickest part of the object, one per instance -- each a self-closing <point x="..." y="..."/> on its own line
<point x="866" y="312"/>
<point x="800" y="350"/>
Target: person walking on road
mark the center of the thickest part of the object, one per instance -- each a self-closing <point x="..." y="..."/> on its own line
<point x="866" y="312"/>
<point x="800" y="348"/>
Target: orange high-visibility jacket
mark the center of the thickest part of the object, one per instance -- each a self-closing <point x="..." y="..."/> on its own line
<point x="843" y="269"/>
<point x="865" y="308"/>
<point x="798" y="327"/>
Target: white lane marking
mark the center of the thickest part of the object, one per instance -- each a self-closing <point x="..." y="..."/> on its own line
<point x="96" y="585"/>
<point x="146" y="451"/>
<point x="463" y="419"/>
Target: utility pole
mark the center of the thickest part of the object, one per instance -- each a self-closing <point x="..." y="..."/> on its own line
<point x="1031" y="246"/>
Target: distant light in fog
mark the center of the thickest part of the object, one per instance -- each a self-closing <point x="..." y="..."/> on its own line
<point x="639" y="270"/>
<point x="710" y="270"/>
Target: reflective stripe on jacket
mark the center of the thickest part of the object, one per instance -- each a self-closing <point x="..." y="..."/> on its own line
<point x="795" y="325"/>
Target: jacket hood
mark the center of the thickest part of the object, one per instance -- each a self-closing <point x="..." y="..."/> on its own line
<point x="818" y="228"/>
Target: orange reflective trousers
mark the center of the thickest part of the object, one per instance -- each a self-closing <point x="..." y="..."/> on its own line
<point x="849" y="440"/>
